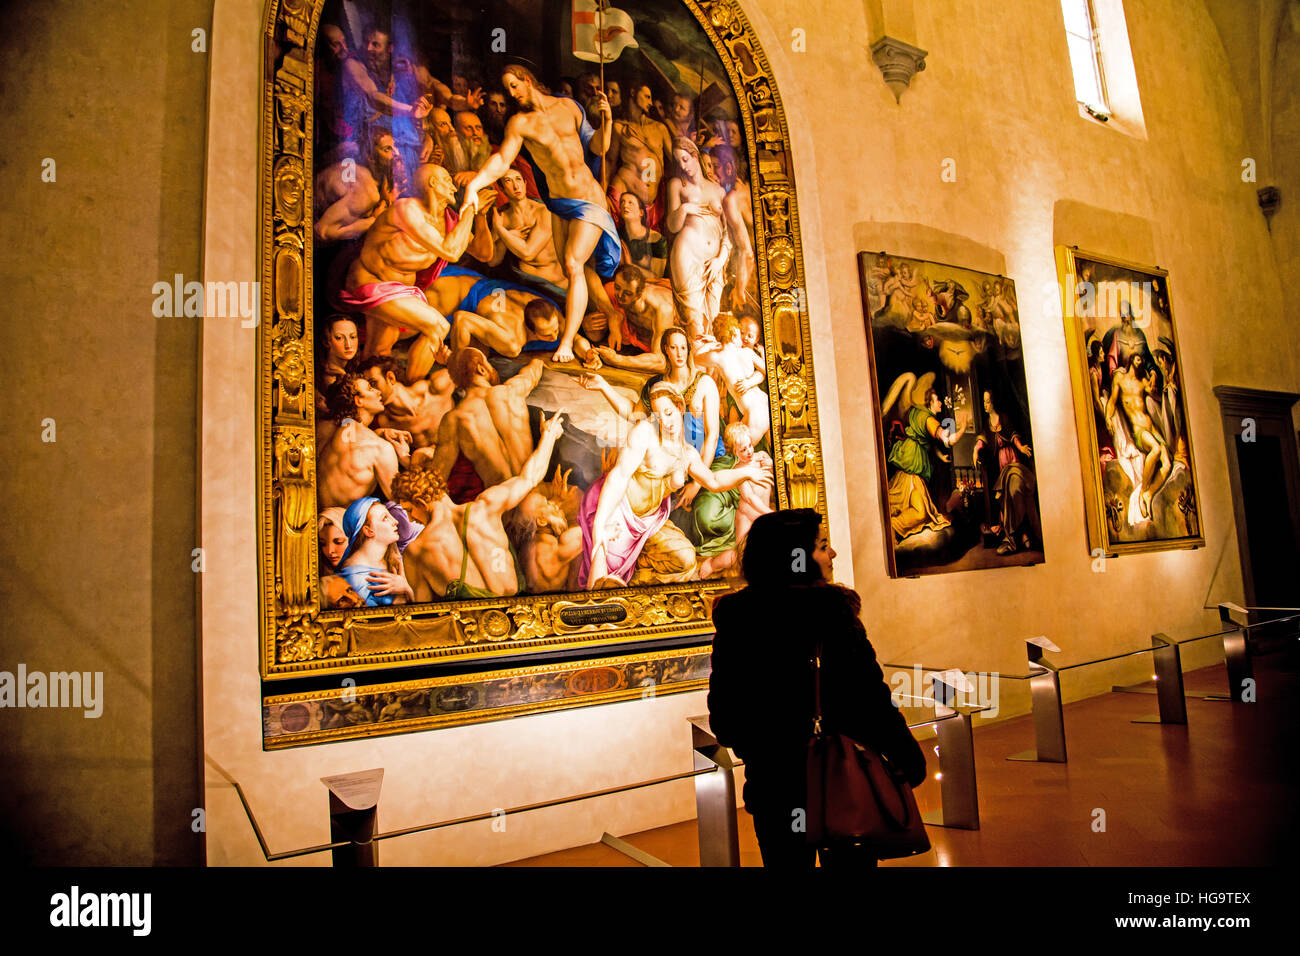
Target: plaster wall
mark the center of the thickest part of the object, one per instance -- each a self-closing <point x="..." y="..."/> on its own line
<point x="102" y="125"/>
<point x="1032" y="173"/>
<point x="1286" y="150"/>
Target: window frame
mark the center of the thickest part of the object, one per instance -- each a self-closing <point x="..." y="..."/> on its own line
<point x="1102" y="111"/>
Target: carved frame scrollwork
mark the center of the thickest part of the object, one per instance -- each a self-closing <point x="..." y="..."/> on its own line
<point x="299" y="638"/>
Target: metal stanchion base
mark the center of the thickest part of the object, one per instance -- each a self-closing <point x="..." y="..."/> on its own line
<point x="934" y="818"/>
<point x="627" y="849"/>
<point x="1031" y="756"/>
<point x="959" y="801"/>
<point x="1137" y="689"/>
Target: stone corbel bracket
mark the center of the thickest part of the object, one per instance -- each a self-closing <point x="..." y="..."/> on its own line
<point x="899" y="62"/>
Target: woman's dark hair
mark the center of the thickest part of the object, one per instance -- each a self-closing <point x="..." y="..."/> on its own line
<point x="1008" y="406"/>
<point x="778" y="550"/>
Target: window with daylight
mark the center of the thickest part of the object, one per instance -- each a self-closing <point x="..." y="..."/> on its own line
<point x="1085" y="56"/>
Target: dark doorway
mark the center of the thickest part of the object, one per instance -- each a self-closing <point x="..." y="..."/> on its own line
<point x="1264" y="467"/>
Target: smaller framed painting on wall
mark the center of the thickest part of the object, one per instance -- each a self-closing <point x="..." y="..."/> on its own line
<point x="959" y="488"/>
<point x="1135" y="444"/>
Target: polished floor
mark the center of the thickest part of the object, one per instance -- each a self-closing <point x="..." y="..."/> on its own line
<point x="1220" y="791"/>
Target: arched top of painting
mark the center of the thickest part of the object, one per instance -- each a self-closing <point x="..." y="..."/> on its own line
<point x="751" y="77"/>
<point x="717" y="62"/>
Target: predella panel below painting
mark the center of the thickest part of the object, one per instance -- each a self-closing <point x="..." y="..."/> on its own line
<point x="959" y="484"/>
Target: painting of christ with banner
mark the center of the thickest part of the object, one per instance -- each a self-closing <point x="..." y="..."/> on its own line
<point x="540" y="364"/>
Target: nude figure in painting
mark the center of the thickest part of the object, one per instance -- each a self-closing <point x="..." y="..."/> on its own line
<point x="698" y="258"/>
<point x="555" y="131"/>
<point x="742" y="371"/>
<point x="490" y="425"/>
<point x="464" y="551"/>
<point x="406" y="245"/>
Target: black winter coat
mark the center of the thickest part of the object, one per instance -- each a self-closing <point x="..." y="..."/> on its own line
<point x="761" y="687"/>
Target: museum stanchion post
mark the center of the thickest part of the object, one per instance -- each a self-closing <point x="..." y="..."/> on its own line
<point x="1243" y="640"/>
<point x="1169" y="683"/>
<point x="1045" y="688"/>
<point x="1236" y="653"/>
<point x="1045" y="694"/>
<point x="715" y="796"/>
<point x="959" y="796"/>
<point x="354" y="812"/>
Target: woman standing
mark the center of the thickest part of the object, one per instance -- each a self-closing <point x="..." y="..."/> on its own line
<point x="771" y="628"/>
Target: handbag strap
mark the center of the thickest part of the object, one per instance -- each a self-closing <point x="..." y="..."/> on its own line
<point x="817" y="687"/>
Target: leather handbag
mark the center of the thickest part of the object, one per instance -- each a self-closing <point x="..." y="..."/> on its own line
<point x="855" y="795"/>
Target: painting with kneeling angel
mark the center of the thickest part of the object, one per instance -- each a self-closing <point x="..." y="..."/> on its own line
<point x="956" y="449"/>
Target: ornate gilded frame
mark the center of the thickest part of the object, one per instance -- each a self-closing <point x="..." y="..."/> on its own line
<point x="299" y="639"/>
<point x="1085" y="426"/>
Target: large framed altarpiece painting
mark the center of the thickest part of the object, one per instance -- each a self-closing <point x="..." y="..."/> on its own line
<point x="534" y="353"/>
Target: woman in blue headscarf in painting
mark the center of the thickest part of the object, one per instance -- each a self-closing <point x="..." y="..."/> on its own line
<point x="372" y="563"/>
